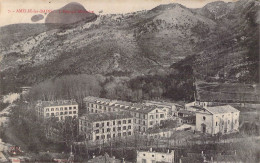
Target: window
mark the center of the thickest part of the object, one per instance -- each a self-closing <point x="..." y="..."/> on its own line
<point x="66" y="112"/>
<point x="97" y="124"/>
<point x="95" y="111"/>
<point x="61" y="109"/>
<point x="61" y="113"/>
<point x="47" y="114"/>
<point x="74" y="107"/>
<point x="114" y="123"/>
<point x="107" y="123"/>
<point x="162" y="156"/>
<point x="74" y="112"/>
<point x="144" y="160"/>
<point x="97" y="131"/>
<point x="129" y="121"/>
<point x="228" y="121"/>
<point x="143" y="122"/>
<point x="92" y="105"/>
<point x="204" y="118"/>
<point x="70" y="112"/>
<point x="156" y="116"/>
<point x="52" y="109"/>
<point x="57" y="113"/>
<point x="129" y="127"/>
<point x="161" y="115"/>
<point x="57" y="109"/>
<point x="151" y="116"/>
<point x="52" y="114"/>
<point x="70" y="108"/>
<point x="119" y="134"/>
<point x="119" y="128"/>
<point x="103" y="130"/>
<point x="114" y="129"/>
<point x="124" y="121"/>
<point x="124" y="133"/>
<point x="144" y="154"/>
<point x="129" y="133"/>
<point x="119" y="122"/>
<point x="108" y="129"/>
<point x="114" y="135"/>
<point x="109" y="109"/>
<point x="151" y="122"/>
<point x="108" y="136"/>
<point x="124" y="128"/>
<point x="66" y="108"/>
<point x="92" y="110"/>
<point x="152" y="155"/>
<point x="97" y="137"/>
<point x="216" y="123"/>
<point x="103" y="124"/>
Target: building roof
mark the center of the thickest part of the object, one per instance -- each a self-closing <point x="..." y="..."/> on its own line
<point x="221" y="109"/>
<point x="56" y="103"/>
<point x="186" y="112"/>
<point x="163" y="103"/>
<point x="96" y="99"/>
<point x="128" y="106"/>
<point x="95" y="117"/>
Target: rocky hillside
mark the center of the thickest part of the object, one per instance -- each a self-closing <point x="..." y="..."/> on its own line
<point x="219" y="35"/>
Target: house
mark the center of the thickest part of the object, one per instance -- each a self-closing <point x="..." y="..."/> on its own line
<point x="171" y="108"/>
<point x="144" y="116"/>
<point x="59" y="109"/>
<point x="217" y="119"/>
<point x="152" y="156"/>
<point x="187" y="120"/>
<point x="101" y="127"/>
<point x="106" y="158"/>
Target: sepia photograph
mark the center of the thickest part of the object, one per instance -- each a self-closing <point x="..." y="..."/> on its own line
<point x="129" y="81"/>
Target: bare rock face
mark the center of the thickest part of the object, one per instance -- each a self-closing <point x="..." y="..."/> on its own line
<point x="69" y="14"/>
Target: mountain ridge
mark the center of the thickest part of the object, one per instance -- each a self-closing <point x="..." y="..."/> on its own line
<point x="137" y="43"/>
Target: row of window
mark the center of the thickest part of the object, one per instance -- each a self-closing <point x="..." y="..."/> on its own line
<point x="108" y="136"/>
<point x="157" y="116"/>
<point x="114" y="123"/>
<point x="114" y="129"/>
<point x="61" y="113"/>
<point x="61" y="109"/>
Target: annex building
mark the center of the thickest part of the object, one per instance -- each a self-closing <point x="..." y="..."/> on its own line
<point x="59" y="109"/>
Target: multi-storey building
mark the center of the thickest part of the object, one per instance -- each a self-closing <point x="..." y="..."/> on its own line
<point x="144" y="116"/>
<point x="59" y="109"/>
<point x="101" y="127"/>
<point x="217" y="119"/>
<point x="153" y="157"/>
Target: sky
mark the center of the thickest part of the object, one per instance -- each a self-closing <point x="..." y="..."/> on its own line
<point x="9" y="8"/>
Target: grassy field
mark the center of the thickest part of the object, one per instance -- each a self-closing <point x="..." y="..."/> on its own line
<point x="231" y="92"/>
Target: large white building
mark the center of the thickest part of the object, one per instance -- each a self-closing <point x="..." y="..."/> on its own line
<point x="59" y="109"/>
<point x="101" y="127"/>
<point x="144" y="116"/>
<point x="153" y="157"/>
<point x="217" y="119"/>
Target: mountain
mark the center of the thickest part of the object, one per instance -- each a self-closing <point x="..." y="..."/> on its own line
<point x="221" y="37"/>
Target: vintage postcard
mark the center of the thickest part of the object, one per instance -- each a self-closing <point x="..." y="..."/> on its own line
<point x="129" y="81"/>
